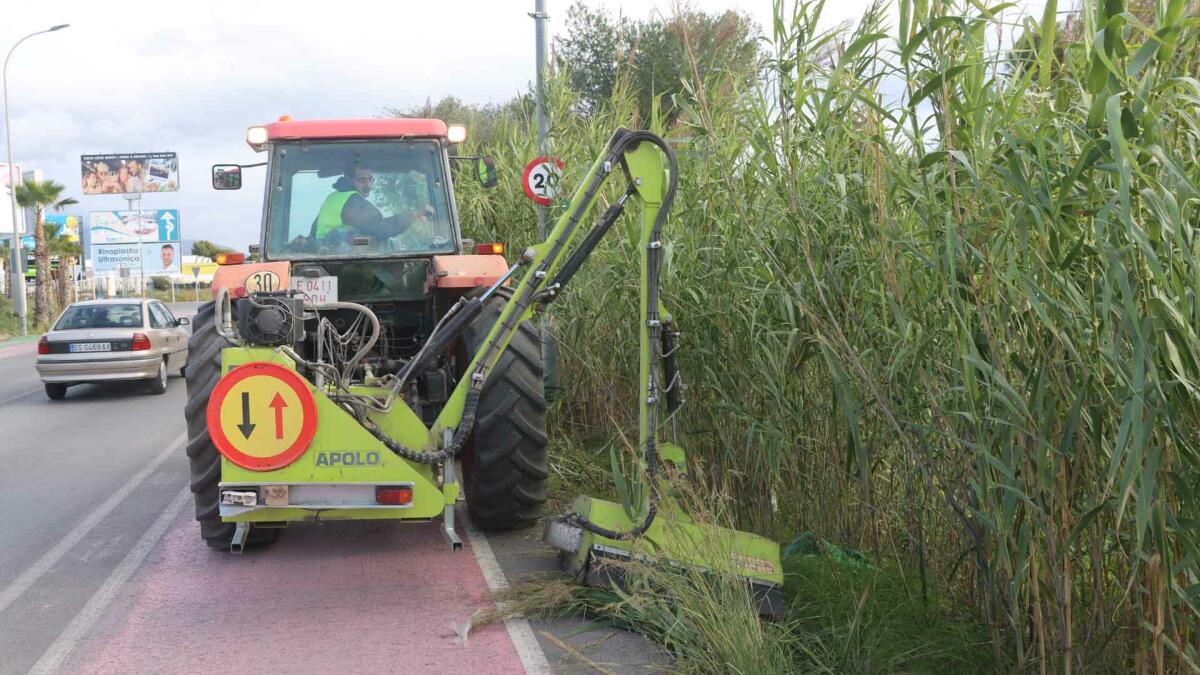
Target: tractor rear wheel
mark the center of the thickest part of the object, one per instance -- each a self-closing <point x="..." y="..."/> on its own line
<point x="203" y="371"/>
<point x="504" y="464"/>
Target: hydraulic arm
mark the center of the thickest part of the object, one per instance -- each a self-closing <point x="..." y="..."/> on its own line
<point x="656" y="526"/>
<point x="648" y="165"/>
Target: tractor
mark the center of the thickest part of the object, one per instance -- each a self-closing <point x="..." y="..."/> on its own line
<point x="351" y="308"/>
<point x="374" y="364"/>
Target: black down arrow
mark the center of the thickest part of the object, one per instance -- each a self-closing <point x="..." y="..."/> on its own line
<point x="246" y="427"/>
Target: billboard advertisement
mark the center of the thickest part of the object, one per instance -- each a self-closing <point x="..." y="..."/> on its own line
<point x="64" y="225"/>
<point x="160" y="257"/>
<point x="126" y="227"/>
<point x="129" y="173"/>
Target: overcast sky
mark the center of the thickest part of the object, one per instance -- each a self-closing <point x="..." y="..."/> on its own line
<point x="190" y="77"/>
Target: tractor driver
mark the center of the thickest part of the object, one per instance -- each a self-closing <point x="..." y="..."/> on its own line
<point x="347" y="212"/>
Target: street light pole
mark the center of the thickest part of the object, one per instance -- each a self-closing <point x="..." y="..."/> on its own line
<point x="549" y="354"/>
<point x="17" y="287"/>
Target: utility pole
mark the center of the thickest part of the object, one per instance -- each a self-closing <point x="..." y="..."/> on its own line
<point x="549" y="355"/>
<point x="17" y="288"/>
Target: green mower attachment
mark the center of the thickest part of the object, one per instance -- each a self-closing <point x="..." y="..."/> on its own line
<point x="596" y="531"/>
<point x="673" y="540"/>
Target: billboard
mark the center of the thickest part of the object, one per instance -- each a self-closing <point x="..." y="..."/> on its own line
<point x="129" y="173"/>
<point x="126" y="227"/>
<point x="64" y="225"/>
<point x="160" y="257"/>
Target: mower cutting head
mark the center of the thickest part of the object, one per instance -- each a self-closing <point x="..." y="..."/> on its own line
<point x="673" y="539"/>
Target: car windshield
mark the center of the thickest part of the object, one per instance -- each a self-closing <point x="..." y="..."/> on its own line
<point x="355" y="199"/>
<point x="101" y="316"/>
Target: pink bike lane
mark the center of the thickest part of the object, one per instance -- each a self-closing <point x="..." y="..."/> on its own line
<point x="356" y="597"/>
<point x="19" y="346"/>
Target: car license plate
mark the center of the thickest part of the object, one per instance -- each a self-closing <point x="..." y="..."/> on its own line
<point x="319" y="290"/>
<point x="77" y="347"/>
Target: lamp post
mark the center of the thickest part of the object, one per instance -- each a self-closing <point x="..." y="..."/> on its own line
<point x="17" y="286"/>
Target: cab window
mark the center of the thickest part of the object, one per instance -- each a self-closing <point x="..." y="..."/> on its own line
<point x="356" y="199"/>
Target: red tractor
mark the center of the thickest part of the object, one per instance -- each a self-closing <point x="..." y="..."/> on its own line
<point x="362" y="260"/>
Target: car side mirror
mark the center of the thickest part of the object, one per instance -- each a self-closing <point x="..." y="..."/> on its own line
<point x="182" y="321"/>
<point x="226" y="177"/>
<point x="485" y="171"/>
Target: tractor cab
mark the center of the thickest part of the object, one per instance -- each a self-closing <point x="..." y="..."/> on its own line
<point x="362" y="210"/>
<point x="356" y="189"/>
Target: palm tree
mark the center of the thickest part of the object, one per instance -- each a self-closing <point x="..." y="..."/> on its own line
<point x="68" y="251"/>
<point x="40" y="195"/>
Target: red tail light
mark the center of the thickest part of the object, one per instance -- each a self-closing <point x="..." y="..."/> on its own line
<point x="140" y="343"/>
<point x="231" y="258"/>
<point x="489" y="249"/>
<point x="393" y="495"/>
<point x="43" y="345"/>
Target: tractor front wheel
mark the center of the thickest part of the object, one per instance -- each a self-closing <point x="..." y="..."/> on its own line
<point x="504" y="463"/>
<point x="203" y="371"/>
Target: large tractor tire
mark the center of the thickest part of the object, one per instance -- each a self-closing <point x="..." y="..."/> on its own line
<point x="504" y="464"/>
<point x="203" y="371"/>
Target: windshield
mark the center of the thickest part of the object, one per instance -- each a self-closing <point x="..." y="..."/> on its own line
<point x="360" y="198"/>
<point x="100" y="316"/>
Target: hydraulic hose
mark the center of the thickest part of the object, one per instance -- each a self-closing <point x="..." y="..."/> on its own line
<point x="348" y="370"/>
<point x="223" y="316"/>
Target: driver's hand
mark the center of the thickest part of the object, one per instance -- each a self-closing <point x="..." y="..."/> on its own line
<point x="424" y="214"/>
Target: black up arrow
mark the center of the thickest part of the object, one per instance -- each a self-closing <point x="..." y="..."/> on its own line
<point x="245" y="426"/>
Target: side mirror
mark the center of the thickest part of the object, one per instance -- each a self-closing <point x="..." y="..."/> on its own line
<point x="485" y="171"/>
<point x="226" y="177"/>
<point x="183" y="321"/>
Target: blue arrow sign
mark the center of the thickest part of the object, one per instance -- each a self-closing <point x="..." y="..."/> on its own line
<point x="168" y="225"/>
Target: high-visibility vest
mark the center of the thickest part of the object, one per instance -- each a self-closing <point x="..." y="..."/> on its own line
<point x="329" y="218"/>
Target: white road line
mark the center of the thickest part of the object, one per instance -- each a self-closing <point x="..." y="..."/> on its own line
<point x="13" y="398"/>
<point x="43" y="564"/>
<point x="519" y="631"/>
<point x="62" y="646"/>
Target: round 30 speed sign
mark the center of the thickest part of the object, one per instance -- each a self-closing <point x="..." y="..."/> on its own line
<point x="541" y="179"/>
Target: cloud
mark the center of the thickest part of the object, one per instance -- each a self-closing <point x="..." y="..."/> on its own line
<point x="191" y="76"/>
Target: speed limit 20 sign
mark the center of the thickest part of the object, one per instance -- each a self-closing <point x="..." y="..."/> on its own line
<point x="541" y="179"/>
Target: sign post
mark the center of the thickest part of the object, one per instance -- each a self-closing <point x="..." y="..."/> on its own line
<point x="540" y="180"/>
<point x="196" y="280"/>
<point x="135" y="205"/>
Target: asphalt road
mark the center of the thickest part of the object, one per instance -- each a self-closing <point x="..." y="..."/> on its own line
<point x="102" y="569"/>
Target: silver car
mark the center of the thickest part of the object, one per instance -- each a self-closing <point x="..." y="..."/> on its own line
<point x="111" y="340"/>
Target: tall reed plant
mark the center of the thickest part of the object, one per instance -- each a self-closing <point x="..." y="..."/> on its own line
<point x="940" y="301"/>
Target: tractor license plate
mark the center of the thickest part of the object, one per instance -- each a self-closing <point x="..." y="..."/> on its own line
<point x="77" y="347"/>
<point x="319" y="290"/>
